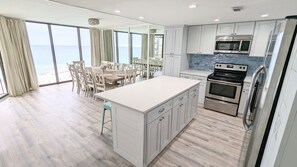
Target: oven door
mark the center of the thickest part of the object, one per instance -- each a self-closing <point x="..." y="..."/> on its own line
<point x="223" y="90"/>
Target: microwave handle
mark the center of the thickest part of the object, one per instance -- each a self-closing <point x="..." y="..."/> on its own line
<point x="250" y="94"/>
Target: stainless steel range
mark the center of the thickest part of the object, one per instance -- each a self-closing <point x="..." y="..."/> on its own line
<point x="223" y="89"/>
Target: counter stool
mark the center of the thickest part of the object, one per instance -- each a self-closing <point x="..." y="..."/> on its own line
<point x="106" y="106"/>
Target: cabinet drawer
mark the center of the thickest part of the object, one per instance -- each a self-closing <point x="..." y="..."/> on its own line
<point x="201" y="79"/>
<point x="155" y="113"/>
<point x="180" y="98"/>
<point x="195" y="89"/>
<point x="186" y="76"/>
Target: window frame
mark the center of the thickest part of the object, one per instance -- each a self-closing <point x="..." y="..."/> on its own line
<point x="49" y="25"/>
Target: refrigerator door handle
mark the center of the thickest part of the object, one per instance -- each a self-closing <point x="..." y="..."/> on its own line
<point x="250" y="94"/>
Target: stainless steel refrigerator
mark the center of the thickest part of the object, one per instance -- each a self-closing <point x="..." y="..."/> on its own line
<point x="264" y="93"/>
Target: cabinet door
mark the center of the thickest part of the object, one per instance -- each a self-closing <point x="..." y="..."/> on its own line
<point x="165" y="129"/>
<point x="194" y="37"/>
<point x="192" y="106"/>
<point x="208" y="39"/>
<point x="246" y="28"/>
<point x="174" y="121"/>
<point x="182" y="114"/>
<point x="169" y="36"/>
<point x="185" y="76"/>
<point x="225" y="29"/>
<point x="175" y="68"/>
<point x="177" y="40"/>
<point x="201" y="95"/>
<point x="167" y="65"/>
<point x="261" y="37"/>
<point x="153" y="139"/>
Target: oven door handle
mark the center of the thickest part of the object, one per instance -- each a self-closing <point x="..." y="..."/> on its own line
<point x="224" y="82"/>
<point x="255" y="76"/>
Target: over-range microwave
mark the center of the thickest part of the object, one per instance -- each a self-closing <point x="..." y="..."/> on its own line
<point x="240" y="44"/>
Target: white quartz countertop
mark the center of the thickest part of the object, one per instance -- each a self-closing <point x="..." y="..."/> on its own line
<point x="196" y="72"/>
<point x="146" y="95"/>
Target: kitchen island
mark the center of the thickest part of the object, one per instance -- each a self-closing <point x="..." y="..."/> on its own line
<point x="147" y="115"/>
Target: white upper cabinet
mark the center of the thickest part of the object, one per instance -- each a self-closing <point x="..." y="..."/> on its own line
<point x="208" y="39"/>
<point x="225" y="29"/>
<point x="173" y="40"/>
<point x="261" y="37"/>
<point x="177" y="41"/>
<point x="245" y="28"/>
<point x="201" y="39"/>
<point x="194" y="37"/>
<point x="169" y="35"/>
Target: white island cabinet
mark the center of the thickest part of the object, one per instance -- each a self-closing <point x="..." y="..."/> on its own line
<point x="147" y="115"/>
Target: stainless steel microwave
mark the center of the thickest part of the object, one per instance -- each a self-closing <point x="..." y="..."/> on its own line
<point x="240" y="44"/>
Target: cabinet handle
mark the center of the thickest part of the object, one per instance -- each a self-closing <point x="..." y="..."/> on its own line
<point x="162" y="117"/>
<point x="181" y="105"/>
<point x="181" y="98"/>
<point x="194" y="90"/>
<point x="161" y="110"/>
<point x="194" y="95"/>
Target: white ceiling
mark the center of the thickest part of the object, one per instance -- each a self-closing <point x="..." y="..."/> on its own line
<point x="162" y="12"/>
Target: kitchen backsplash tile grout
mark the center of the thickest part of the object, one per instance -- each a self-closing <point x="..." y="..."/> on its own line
<point x="205" y="62"/>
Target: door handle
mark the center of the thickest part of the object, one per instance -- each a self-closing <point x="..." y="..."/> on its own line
<point x="249" y="99"/>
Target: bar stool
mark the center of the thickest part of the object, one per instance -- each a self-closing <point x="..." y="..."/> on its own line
<point x="106" y="106"/>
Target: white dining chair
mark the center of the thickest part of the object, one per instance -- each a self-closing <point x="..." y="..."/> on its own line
<point x="99" y="81"/>
<point x="74" y="77"/>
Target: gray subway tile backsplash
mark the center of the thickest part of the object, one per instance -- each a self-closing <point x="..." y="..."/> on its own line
<point x="205" y="62"/>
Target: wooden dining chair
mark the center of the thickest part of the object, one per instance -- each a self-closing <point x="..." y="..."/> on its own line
<point x="89" y="80"/>
<point x="99" y="81"/>
<point x="74" y="77"/>
<point x="130" y="77"/>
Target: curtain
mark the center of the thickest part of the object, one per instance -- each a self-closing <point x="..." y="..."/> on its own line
<point x="108" y="45"/>
<point x="151" y="47"/>
<point x="96" y="47"/>
<point x="17" y="57"/>
<point x="144" y="47"/>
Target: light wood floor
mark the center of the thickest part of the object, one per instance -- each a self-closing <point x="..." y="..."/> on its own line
<point x="56" y="127"/>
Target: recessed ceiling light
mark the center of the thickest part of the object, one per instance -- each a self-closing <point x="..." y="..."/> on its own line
<point x="141" y="17"/>
<point x="192" y="6"/>
<point x="264" y="15"/>
<point x="216" y="20"/>
<point x="117" y="11"/>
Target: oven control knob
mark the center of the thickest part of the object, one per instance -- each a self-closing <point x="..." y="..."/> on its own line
<point x="240" y="67"/>
<point x="243" y="67"/>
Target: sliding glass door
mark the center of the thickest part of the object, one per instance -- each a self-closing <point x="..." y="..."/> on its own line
<point x="39" y="39"/>
<point x="66" y="47"/>
<point x="53" y="46"/>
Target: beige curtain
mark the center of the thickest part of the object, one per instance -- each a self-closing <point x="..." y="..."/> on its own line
<point x="108" y="45"/>
<point x="144" y="47"/>
<point x="96" y="47"/>
<point x="151" y="47"/>
<point x="17" y="57"/>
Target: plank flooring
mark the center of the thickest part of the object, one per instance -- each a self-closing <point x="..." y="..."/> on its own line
<point x="56" y="127"/>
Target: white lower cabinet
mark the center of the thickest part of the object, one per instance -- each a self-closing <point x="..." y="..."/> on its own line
<point x="202" y="87"/>
<point x="166" y="121"/>
<point x="175" y="121"/>
<point x="165" y="130"/>
<point x="243" y="98"/>
<point x="158" y="135"/>
<point x="153" y="139"/>
<point x="192" y="106"/>
<point x="171" y="65"/>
